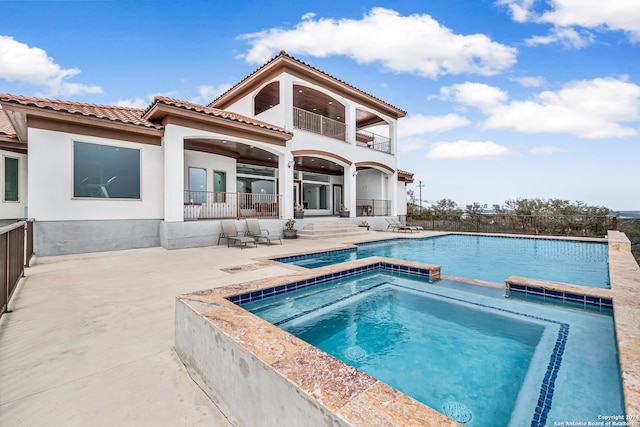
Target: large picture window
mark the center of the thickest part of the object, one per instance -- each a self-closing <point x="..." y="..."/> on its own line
<point x="106" y="172"/>
<point x="10" y="179"/>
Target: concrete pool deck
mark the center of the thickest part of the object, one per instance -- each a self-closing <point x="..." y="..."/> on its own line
<point x="90" y="339"/>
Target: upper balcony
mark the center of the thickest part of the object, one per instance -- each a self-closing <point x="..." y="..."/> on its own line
<point x="317" y="112"/>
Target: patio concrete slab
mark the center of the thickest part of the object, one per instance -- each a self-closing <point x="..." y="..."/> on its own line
<point x="90" y="337"/>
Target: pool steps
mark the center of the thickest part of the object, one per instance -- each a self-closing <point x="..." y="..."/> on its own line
<point x="330" y="230"/>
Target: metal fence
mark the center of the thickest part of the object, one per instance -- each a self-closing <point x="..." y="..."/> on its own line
<point x="374" y="141"/>
<point x="560" y="225"/>
<point x="16" y="250"/>
<point x="214" y="205"/>
<point x="373" y="207"/>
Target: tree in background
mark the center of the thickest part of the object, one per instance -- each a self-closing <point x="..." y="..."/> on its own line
<point x="475" y="209"/>
<point x="444" y="207"/>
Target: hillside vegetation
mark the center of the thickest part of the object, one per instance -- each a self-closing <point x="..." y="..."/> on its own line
<point x="526" y="216"/>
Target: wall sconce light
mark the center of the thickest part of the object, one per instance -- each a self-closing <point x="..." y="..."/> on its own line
<point x="355" y="173"/>
<point x="291" y="163"/>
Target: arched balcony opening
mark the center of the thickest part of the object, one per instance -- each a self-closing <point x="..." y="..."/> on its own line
<point x="372" y="131"/>
<point x="230" y="179"/>
<point x="267" y="98"/>
<point x="317" y="112"/>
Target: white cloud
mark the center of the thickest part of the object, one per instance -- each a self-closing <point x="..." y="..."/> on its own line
<point x="415" y="44"/>
<point x="418" y="124"/>
<point x="520" y="9"/>
<point x="209" y="93"/>
<point x="568" y="37"/>
<point x="479" y="95"/>
<point x="133" y="103"/>
<point x="529" y="81"/>
<point x="614" y="15"/>
<point x="466" y="150"/>
<point x="586" y="108"/>
<point x="32" y="65"/>
<point x="545" y="150"/>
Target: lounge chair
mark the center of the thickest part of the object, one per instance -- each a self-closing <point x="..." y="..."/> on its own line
<point x="253" y="230"/>
<point x="230" y="232"/>
<point x="410" y="227"/>
<point x="396" y="225"/>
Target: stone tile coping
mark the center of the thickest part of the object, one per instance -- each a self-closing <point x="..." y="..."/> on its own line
<point x="341" y="389"/>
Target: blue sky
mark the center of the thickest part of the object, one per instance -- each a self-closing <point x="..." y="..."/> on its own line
<point x="505" y="98"/>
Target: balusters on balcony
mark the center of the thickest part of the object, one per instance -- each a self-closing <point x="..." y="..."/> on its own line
<point x="316" y="123"/>
<point x="210" y="205"/>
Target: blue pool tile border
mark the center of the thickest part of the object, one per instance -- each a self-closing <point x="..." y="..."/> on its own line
<point x="305" y="283"/>
<point x="297" y="257"/>
<point x="557" y="295"/>
<point x="547" y="387"/>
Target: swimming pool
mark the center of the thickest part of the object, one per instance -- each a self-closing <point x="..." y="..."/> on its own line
<point x="454" y="346"/>
<point x="487" y="258"/>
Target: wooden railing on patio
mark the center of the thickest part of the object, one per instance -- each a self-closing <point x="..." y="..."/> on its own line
<point x="373" y="207"/>
<point x="316" y="123"/>
<point x="214" y="205"/>
<point x="16" y="250"/>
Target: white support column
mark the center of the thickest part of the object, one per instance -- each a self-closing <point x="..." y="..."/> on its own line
<point x="393" y="136"/>
<point x="350" y="186"/>
<point x="351" y="124"/>
<point x="286" y="99"/>
<point x="173" y="174"/>
<point x="285" y="184"/>
<point x="392" y="188"/>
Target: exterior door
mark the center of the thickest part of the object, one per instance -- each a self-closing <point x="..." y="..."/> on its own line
<point x="337" y="199"/>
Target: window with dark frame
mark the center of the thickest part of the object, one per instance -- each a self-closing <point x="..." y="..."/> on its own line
<point x="11" y="193"/>
<point x="105" y="172"/>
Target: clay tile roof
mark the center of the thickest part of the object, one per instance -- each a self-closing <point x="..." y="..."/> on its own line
<point x="5" y="126"/>
<point x="282" y="53"/>
<point x="132" y="116"/>
<point x="405" y="176"/>
<point x="214" y="112"/>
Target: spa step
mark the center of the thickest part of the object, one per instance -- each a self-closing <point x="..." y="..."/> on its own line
<point x="330" y="230"/>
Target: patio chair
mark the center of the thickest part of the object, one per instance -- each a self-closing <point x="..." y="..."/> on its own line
<point x="411" y="227"/>
<point x="253" y="230"/>
<point x="396" y="225"/>
<point x="230" y="232"/>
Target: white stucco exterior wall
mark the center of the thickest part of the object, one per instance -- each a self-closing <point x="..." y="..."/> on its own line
<point x="50" y="181"/>
<point x="401" y="190"/>
<point x="9" y="209"/>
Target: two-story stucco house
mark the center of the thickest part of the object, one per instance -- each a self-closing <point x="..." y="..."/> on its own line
<point x="105" y="177"/>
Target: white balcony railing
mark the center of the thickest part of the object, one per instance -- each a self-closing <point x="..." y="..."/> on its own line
<point x="209" y="205"/>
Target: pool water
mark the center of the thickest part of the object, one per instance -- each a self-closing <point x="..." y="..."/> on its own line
<point x="448" y="344"/>
<point x="487" y="258"/>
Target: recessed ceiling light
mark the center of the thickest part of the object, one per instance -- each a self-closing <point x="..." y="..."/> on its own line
<point x="300" y="90"/>
<point x="313" y="160"/>
<point x="330" y="102"/>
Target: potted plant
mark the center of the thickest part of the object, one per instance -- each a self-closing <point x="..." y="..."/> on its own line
<point x="289" y="232"/>
<point x="364" y="224"/>
<point x="344" y="211"/>
<point x="298" y="212"/>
